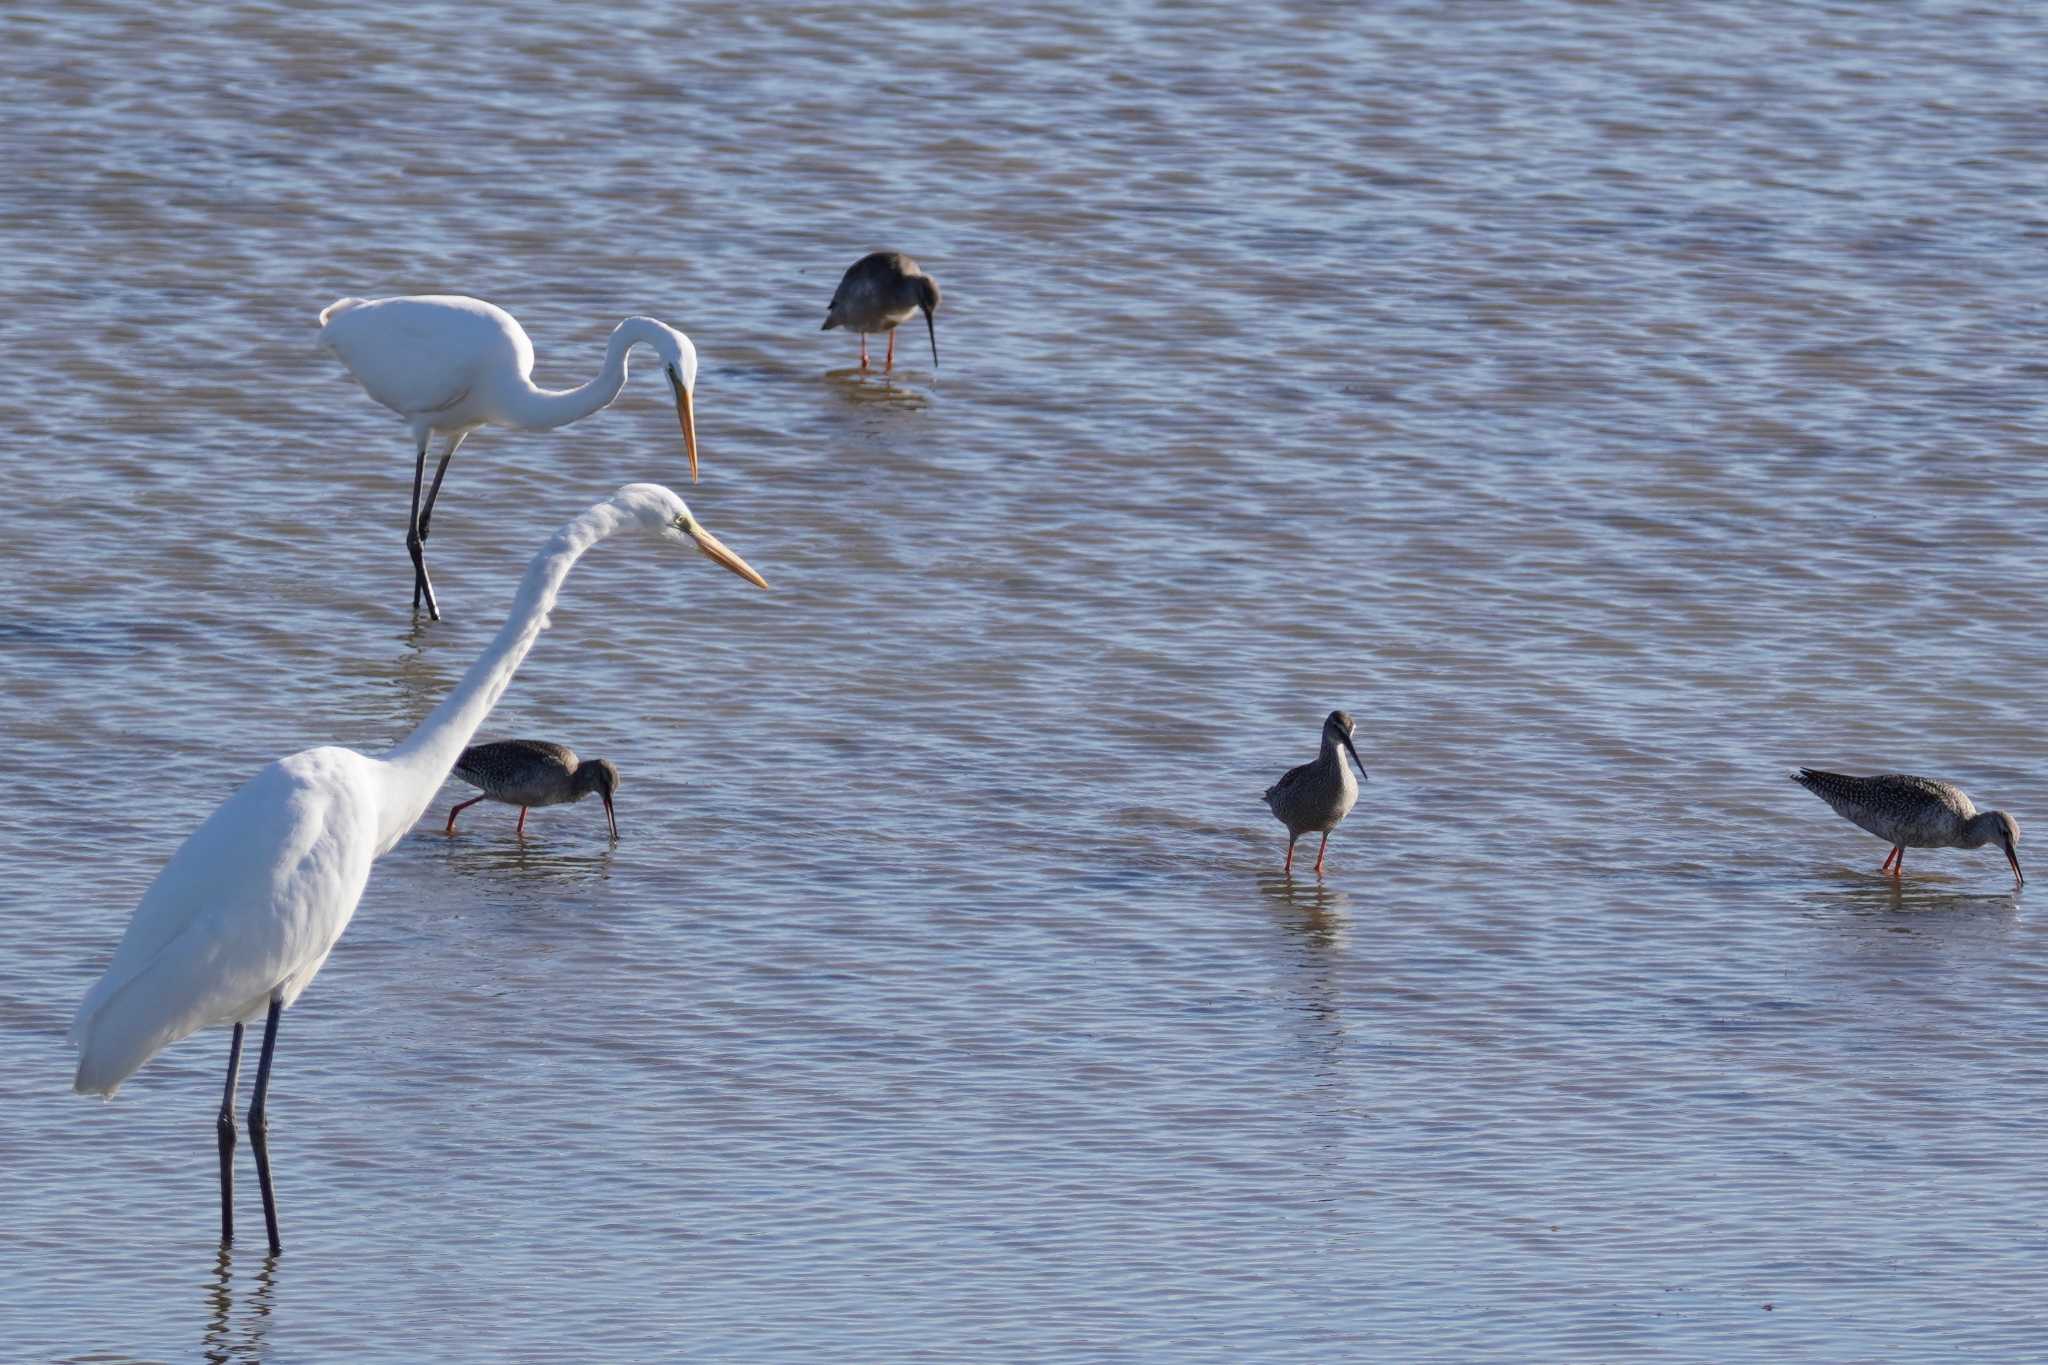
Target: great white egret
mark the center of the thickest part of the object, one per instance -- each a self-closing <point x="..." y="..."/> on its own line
<point x="878" y="292"/>
<point x="248" y="908"/>
<point x="534" y="772"/>
<point x="451" y="364"/>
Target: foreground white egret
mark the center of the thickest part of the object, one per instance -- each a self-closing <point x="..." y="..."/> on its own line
<point x="450" y="364"/>
<point x="248" y="908"/>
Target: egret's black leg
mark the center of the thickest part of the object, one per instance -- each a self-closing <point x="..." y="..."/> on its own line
<point x="259" y="1125"/>
<point x="421" y="584"/>
<point x="440" y="473"/>
<point x="225" y="1128"/>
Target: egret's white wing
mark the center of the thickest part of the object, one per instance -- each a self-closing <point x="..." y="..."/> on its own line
<point x="252" y="901"/>
<point x="422" y="355"/>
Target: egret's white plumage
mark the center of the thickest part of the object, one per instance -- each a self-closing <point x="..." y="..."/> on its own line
<point x="247" y="909"/>
<point x="450" y="364"/>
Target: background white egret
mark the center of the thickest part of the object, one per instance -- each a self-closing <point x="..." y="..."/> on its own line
<point x="245" y="912"/>
<point x="450" y="364"/>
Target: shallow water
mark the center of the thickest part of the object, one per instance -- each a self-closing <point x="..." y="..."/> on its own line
<point x="1610" y="407"/>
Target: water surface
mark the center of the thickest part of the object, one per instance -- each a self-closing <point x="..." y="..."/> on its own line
<point x="1610" y="407"/>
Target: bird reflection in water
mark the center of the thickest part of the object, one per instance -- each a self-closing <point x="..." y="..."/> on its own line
<point x="867" y="389"/>
<point x="1864" y="895"/>
<point x="1314" y="910"/>
<point x="419" y="677"/>
<point x="223" y="1342"/>
<point x="530" y="860"/>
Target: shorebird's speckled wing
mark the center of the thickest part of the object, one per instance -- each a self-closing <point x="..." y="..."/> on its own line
<point x="1889" y="804"/>
<point x="506" y="763"/>
<point x="1294" y="780"/>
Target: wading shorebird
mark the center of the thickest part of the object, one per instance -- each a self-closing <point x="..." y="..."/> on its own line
<point x="532" y="772"/>
<point x="1318" y="795"/>
<point x="450" y="364"/>
<point x="878" y="292"/>
<point x="1914" y="812"/>
<point x="246" y="911"/>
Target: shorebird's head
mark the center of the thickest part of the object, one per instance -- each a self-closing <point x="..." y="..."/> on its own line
<point x="1337" y="729"/>
<point x="927" y="290"/>
<point x="668" y="516"/>
<point x="2009" y="837"/>
<point x="1996" y="827"/>
<point x="599" y="775"/>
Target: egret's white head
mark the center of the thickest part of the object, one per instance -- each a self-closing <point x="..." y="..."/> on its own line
<point x="664" y="514"/>
<point x="679" y="362"/>
<point x="678" y="366"/>
<point x="678" y="356"/>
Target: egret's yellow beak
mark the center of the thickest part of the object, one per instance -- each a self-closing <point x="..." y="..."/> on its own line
<point x="687" y="415"/>
<point x="714" y="550"/>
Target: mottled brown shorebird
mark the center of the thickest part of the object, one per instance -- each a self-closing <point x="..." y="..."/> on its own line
<point x="532" y="772"/>
<point x="1914" y="812"/>
<point x="878" y="292"/>
<point x="1318" y="795"/>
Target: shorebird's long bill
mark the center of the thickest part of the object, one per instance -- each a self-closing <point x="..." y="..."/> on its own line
<point x="2012" y="856"/>
<point x="609" y="817"/>
<point x="687" y="415"/>
<point x="1354" y="753"/>
<point x="933" y="333"/>
<point x="714" y="550"/>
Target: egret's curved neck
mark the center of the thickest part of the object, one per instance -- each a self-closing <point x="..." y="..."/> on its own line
<point x="420" y="762"/>
<point x="536" y="409"/>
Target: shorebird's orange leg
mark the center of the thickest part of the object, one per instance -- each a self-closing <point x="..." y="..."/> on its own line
<point x="460" y="806"/>
<point x="522" y="821"/>
<point x="890" y="363"/>
<point x="863" y="350"/>
<point x="1319" y="850"/>
<point x="1894" y="861"/>
<point x="1288" y="866"/>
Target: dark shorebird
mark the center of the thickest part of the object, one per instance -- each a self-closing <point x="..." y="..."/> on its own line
<point x="878" y="292"/>
<point x="1318" y="795"/>
<point x="1914" y="812"/>
<point x="532" y="772"/>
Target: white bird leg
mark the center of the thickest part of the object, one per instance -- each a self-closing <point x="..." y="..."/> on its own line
<point x="225" y="1127"/>
<point x="259" y="1123"/>
<point x="421" y="584"/>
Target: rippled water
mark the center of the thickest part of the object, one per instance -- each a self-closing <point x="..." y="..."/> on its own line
<point x="1610" y="405"/>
